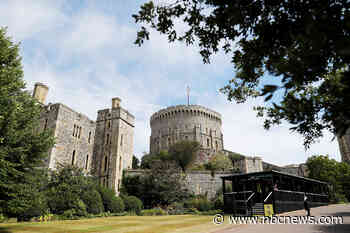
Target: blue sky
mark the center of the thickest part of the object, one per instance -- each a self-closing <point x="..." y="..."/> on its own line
<point x="84" y="51"/>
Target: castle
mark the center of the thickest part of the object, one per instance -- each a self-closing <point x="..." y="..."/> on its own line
<point x="103" y="147"/>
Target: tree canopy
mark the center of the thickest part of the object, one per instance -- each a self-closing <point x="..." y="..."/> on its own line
<point x="335" y="173"/>
<point x="303" y="47"/>
<point x="184" y="153"/>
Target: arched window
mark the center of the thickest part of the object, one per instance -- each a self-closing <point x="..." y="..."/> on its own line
<point x="73" y="157"/>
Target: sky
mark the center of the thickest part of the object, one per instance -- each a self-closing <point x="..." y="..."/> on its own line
<point x="85" y="52"/>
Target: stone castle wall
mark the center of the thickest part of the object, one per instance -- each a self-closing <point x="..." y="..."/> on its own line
<point x="74" y="136"/>
<point x="197" y="182"/>
<point x="187" y="122"/>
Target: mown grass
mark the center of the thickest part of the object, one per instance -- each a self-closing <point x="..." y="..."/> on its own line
<point x="122" y="224"/>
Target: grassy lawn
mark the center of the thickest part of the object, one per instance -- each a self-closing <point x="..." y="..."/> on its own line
<point x="130" y="224"/>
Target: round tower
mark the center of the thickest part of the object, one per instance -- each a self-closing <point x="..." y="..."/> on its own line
<point x="187" y="122"/>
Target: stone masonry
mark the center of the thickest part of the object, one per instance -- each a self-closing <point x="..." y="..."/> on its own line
<point x="114" y="144"/>
<point x="187" y="122"/>
<point x="104" y="147"/>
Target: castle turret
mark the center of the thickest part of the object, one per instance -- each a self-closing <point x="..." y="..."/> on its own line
<point x="40" y="92"/>
<point x="113" y="149"/>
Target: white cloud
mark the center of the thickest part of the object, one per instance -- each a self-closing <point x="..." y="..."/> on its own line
<point x="27" y="18"/>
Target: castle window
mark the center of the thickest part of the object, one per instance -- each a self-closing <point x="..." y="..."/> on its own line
<point x="89" y="137"/>
<point x="186" y="137"/>
<point x="169" y="141"/>
<point x="208" y="142"/>
<point x="121" y="140"/>
<point x="107" y="139"/>
<point x="79" y="132"/>
<point x="74" y="130"/>
<point x="109" y="124"/>
<point x="73" y="157"/>
<point x="119" y="184"/>
<point x="45" y="124"/>
<point x="105" y="164"/>
<point x="87" y="162"/>
<point x="120" y="163"/>
<point x="216" y="144"/>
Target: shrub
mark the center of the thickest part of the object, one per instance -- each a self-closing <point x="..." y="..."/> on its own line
<point x="176" y="208"/>
<point x="133" y="204"/>
<point x="107" y="196"/>
<point x="201" y="204"/>
<point x="153" y="212"/>
<point x="117" y="205"/>
<point x="219" y="203"/>
<point x="93" y="202"/>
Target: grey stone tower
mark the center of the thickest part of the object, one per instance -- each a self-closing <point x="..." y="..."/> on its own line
<point x="113" y="150"/>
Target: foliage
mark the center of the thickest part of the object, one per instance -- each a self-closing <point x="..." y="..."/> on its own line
<point x="135" y="162"/>
<point x="160" y="185"/>
<point x="295" y="42"/>
<point x="176" y="208"/>
<point x="184" y="153"/>
<point x="148" y="159"/>
<point x="107" y="196"/>
<point x="117" y="205"/>
<point x="219" y="162"/>
<point x="131" y="185"/>
<point x="335" y="173"/>
<point x="219" y="203"/>
<point x="154" y="212"/>
<point x="133" y="204"/>
<point x="22" y="146"/>
<point x="93" y="201"/>
<point x="201" y="204"/>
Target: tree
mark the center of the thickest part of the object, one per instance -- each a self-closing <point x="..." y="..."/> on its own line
<point x="335" y="173"/>
<point x="301" y="45"/>
<point x="163" y="184"/>
<point x="22" y="147"/>
<point x="135" y="162"/>
<point x="148" y="159"/>
<point x="184" y="153"/>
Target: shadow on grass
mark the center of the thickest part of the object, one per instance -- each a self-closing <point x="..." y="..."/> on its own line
<point x="4" y="230"/>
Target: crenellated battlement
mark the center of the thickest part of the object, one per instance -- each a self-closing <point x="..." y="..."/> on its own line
<point x="192" y="110"/>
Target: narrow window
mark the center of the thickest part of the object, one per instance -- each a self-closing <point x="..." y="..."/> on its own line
<point x="89" y="137"/>
<point x="87" y="162"/>
<point x="216" y="144"/>
<point x="208" y="142"/>
<point x="74" y="130"/>
<point x="121" y="140"/>
<point x="186" y="137"/>
<point x="105" y="168"/>
<point x="73" y="157"/>
<point x="120" y="163"/>
<point x="109" y="124"/>
<point x="79" y="132"/>
<point x="119" y="181"/>
<point x="45" y="124"/>
<point x="107" y="139"/>
<point x="169" y="141"/>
